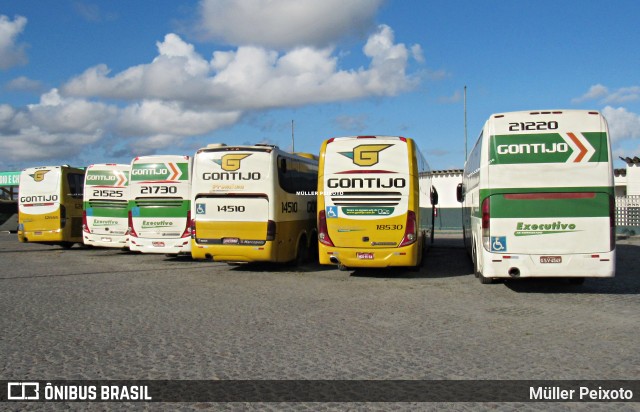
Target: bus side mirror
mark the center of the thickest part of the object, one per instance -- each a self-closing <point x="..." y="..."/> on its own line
<point x="459" y="194"/>
<point x="434" y="196"/>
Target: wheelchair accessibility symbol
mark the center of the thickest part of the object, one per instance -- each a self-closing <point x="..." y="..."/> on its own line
<point x="201" y="209"/>
<point x="498" y="243"/>
<point x="332" y="211"/>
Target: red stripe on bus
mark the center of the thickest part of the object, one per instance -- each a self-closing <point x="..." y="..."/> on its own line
<point x="545" y="196"/>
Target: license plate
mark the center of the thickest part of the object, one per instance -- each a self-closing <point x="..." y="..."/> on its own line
<point x="364" y="255"/>
<point x="106" y="239"/>
<point x="550" y="259"/>
<point x="158" y="244"/>
<point x="230" y="241"/>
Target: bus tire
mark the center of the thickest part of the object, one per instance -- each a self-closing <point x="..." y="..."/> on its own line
<point x="483" y="280"/>
<point x="66" y="245"/>
<point x="474" y="261"/>
<point x="313" y="254"/>
<point x="301" y="252"/>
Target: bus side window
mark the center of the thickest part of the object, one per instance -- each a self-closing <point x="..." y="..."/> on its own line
<point x="76" y="185"/>
<point x="283" y="165"/>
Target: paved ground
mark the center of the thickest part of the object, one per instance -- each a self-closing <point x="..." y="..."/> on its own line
<point x="108" y="314"/>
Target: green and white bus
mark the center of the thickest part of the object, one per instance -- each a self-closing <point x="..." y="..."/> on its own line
<point x="106" y="203"/>
<point x="159" y="205"/>
<point x="538" y="197"/>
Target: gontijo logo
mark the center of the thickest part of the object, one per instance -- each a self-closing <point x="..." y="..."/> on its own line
<point x="160" y="171"/>
<point x="38" y="175"/>
<point x="547" y="148"/>
<point x="231" y="162"/>
<point x="109" y="177"/>
<point x="366" y="154"/>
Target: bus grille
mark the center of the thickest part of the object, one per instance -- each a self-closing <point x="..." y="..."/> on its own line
<point x="367" y="199"/>
<point x="109" y="204"/>
<point x="158" y="202"/>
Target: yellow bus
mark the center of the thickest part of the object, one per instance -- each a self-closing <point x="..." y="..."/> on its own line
<point x="369" y="213"/>
<point x="50" y="205"/>
<point x="253" y="204"/>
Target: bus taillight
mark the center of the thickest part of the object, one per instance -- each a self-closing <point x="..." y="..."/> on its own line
<point x="193" y="228"/>
<point x="187" y="229"/>
<point x="132" y="231"/>
<point x="85" y="225"/>
<point x="323" y="232"/>
<point x="486" y="221"/>
<point x="410" y="233"/>
<point x="271" y="230"/>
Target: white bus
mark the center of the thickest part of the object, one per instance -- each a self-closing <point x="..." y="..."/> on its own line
<point x="369" y="213"/>
<point x="159" y="205"/>
<point x="538" y="197"/>
<point x="253" y="204"/>
<point x="106" y="205"/>
<point x="50" y="205"/>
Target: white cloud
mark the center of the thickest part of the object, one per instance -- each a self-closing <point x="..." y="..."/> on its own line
<point x="605" y="96"/>
<point x="54" y="128"/>
<point x="11" y="52"/>
<point x="622" y="123"/>
<point x="170" y="119"/>
<point x="456" y="97"/>
<point x="353" y="124"/>
<point x="181" y="94"/>
<point x="252" y="77"/>
<point x="595" y="92"/>
<point x="624" y="95"/>
<point x="23" y="83"/>
<point x="285" y="24"/>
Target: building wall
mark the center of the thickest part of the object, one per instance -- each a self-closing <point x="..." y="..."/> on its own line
<point x="633" y="179"/>
<point x="449" y="210"/>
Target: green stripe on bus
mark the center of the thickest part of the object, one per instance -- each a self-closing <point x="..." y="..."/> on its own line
<point x="171" y="209"/>
<point x="603" y="193"/>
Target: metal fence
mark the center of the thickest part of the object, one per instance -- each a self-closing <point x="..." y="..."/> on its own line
<point x="628" y="210"/>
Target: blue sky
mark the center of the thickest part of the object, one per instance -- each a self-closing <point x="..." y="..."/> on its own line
<point x="85" y="82"/>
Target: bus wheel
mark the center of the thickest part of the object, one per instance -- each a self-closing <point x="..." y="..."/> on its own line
<point x="483" y="280"/>
<point x="301" y="253"/>
<point x="66" y="245"/>
<point x="313" y="250"/>
<point x="576" y="281"/>
<point x="477" y="273"/>
<point x="474" y="260"/>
